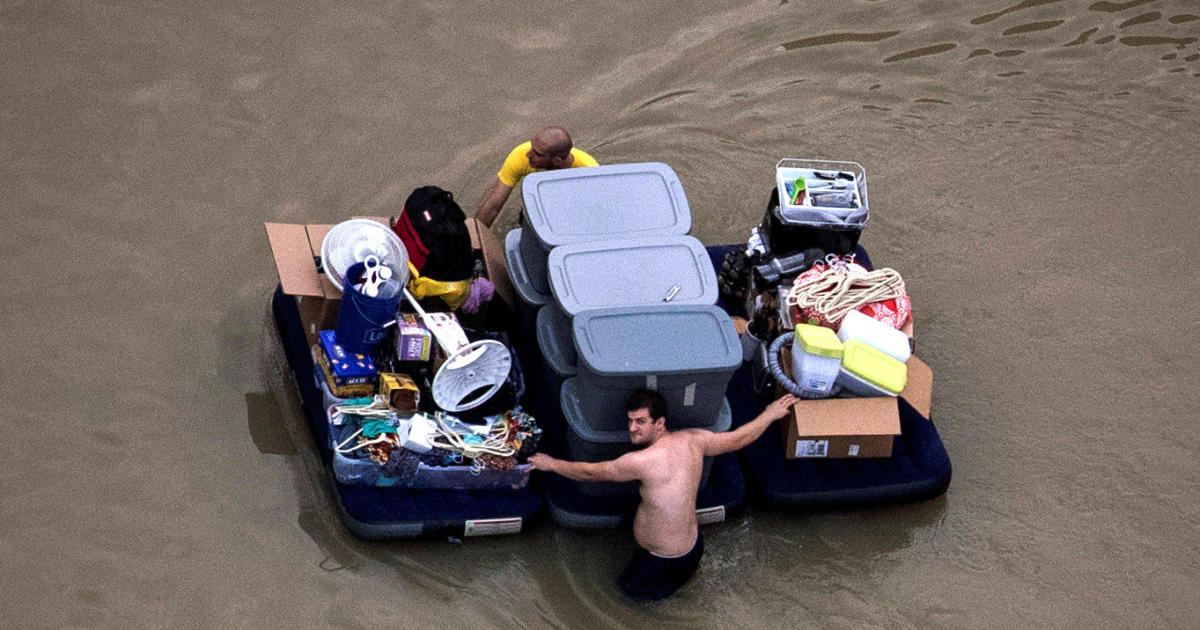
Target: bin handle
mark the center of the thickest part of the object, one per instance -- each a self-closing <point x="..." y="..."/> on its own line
<point x="517" y="266"/>
<point x="563" y="283"/>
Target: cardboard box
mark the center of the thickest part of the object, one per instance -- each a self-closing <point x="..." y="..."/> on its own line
<point x="297" y="247"/>
<point x="401" y="393"/>
<point x="494" y="263"/>
<point x="413" y="339"/>
<point x="341" y="389"/>
<point x="853" y="427"/>
<point x="842" y="427"/>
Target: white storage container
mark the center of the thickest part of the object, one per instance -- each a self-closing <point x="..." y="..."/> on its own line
<point x="816" y="359"/>
<point x="856" y="325"/>
<point x="835" y="192"/>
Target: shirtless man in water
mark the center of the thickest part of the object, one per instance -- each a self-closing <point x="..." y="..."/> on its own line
<point x="669" y="468"/>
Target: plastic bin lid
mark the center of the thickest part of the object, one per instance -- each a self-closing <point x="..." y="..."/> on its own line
<point x="648" y="271"/>
<point x="575" y="205"/>
<point x="554" y="340"/>
<point x="874" y="366"/>
<point x="672" y="339"/>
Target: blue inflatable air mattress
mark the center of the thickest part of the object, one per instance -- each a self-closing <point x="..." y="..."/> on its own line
<point x="387" y="513"/>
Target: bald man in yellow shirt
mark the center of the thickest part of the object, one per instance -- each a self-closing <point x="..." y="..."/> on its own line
<point x="550" y="149"/>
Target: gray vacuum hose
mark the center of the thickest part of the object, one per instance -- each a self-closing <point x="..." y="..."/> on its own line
<point x="781" y="378"/>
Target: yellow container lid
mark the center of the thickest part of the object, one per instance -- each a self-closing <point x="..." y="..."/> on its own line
<point x="874" y="366"/>
<point x="818" y="340"/>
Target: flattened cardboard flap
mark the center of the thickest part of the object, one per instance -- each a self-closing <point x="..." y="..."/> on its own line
<point x="295" y="246"/>
<point x="918" y="391"/>
<point x="294" y="259"/>
<point x="493" y="258"/>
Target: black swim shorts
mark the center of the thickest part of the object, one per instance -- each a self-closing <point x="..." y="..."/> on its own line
<point x="652" y="577"/>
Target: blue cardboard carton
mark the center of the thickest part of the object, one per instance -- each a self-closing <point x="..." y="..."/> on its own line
<point x="347" y="368"/>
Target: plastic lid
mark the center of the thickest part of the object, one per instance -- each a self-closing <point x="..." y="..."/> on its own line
<point x="648" y="271"/>
<point x="874" y="366"/>
<point x="576" y="205"/>
<point x="672" y="339"/>
<point x="819" y="341"/>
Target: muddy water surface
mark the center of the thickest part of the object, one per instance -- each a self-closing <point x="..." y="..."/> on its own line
<point x="1034" y="175"/>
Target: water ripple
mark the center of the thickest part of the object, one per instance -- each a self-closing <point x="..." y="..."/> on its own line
<point x="1032" y="27"/>
<point x="1144" y="18"/>
<point x="1146" y="40"/>
<point x="1027" y="4"/>
<point x="921" y="52"/>
<point x="838" y="38"/>
<point x="665" y="97"/>
<point x="1114" y="7"/>
<point x="1083" y="37"/>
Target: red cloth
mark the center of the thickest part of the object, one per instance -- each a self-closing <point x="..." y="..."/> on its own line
<point x="893" y="312"/>
<point x="417" y="252"/>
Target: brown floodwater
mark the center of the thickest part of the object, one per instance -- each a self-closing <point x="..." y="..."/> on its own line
<point x="1034" y="172"/>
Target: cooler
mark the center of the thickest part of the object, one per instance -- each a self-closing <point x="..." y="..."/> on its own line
<point x="644" y="271"/>
<point x="612" y="202"/>
<point x="588" y="444"/>
<point x="685" y="352"/>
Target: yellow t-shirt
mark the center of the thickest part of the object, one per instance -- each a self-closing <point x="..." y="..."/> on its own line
<point x="517" y="165"/>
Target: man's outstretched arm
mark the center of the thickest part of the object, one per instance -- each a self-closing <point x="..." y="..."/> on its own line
<point x="624" y="468"/>
<point x="729" y="441"/>
<point x="492" y="201"/>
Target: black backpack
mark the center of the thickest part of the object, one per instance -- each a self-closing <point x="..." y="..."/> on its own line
<point x="434" y="230"/>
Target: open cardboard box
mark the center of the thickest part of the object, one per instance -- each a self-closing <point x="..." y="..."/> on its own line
<point x="296" y="247"/>
<point x="852" y="427"/>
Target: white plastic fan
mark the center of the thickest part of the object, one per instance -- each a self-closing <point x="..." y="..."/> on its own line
<point x="473" y="371"/>
<point x="352" y="241"/>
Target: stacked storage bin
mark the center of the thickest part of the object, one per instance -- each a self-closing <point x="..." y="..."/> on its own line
<point x="628" y="302"/>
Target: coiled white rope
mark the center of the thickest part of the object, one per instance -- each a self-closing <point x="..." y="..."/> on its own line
<point x="839" y="290"/>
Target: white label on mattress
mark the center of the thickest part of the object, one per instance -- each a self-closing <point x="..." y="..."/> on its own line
<point x="812" y="448"/>
<point x="853" y="450"/>
<point x="492" y="526"/>
<point x="715" y="514"/>
<point x="689" y="395"/>
<point x="651" y="381"/>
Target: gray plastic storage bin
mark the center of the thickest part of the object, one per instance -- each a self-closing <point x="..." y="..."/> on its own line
<point x="685" y="352"/>
<point x="587" y="444"/>
<point x="578" y="205"/>
<point x="519" y="273"/>
<point x="645" y="271"/>
<point x="556" y="342"/>
<point x="529" y="300"/>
